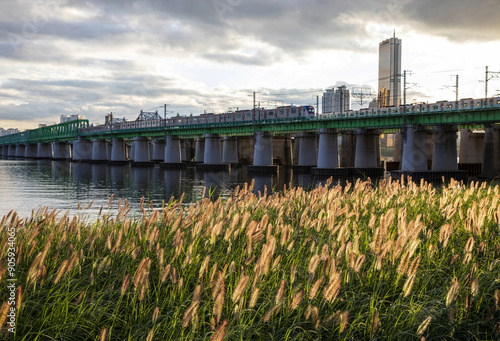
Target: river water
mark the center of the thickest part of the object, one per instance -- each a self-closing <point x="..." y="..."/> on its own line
<point x="29" y="185"/>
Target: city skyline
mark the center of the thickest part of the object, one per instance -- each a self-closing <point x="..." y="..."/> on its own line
<point x="65" y="57"/>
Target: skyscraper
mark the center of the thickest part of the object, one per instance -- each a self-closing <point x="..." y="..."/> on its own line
<point x="335" y="101"/>
<point x="389" y="73"/>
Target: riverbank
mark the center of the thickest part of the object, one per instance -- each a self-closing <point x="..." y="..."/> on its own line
<point x="354" y="262"/>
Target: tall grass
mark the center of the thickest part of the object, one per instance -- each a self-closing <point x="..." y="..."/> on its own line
<point x="392" y="262"/>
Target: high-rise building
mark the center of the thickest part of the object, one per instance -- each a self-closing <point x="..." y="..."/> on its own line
<point x="389" y="73"/>
<point x="336" y="100"/>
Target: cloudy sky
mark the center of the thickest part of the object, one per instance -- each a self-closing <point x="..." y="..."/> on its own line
<point x="100" y="56"/>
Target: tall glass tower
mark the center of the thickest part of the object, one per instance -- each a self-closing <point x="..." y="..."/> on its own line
<point x="389" y="73"/>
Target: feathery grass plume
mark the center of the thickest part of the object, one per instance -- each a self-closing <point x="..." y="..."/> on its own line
<point x="408" y="285"/>
<point x="474" y="288"/>
<point x="240" y="288"/>
<point x="344" y="320"/>
<point x="204" y="267"/>
<point x="315" y="317"/>
<point x="165" y="273"/>
<point x="375" y="323"/>
<point x="190" y="314"/>
<point x="156" y="313"/>
<point x="452" y="292"/>
<point x="423" y="326"/>
<point x="219" y="304"/>
<point x="281" y="291"/>
<point x="267" y="317"/>
<point x="414" y="266"/>
<point x="297" y="298"/>
<point x="470" y="244"/>
<point x="3" y="313"/>
<point x="313" y="264"/>
<point x="359" y="263"/>
<point x="61" y="270"/>
<point x="220" y="332"/>
<point x="150" y="335"/>
<point x="125" y="283"/>
<point x="292" y="273"/>
<point x="104" y="333"/>
<point x="332" y="289"/>
<point x="315" y="288"/>
<point x="254" y="297"/>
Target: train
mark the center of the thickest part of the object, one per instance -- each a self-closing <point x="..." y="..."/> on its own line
<point x="305" y="112"/>
<point x="465" y="104"/>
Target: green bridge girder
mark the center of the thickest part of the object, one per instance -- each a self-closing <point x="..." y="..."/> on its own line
<point x="69" y="131"/>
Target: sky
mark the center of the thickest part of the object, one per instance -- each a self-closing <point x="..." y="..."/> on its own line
<point x="95" y="57"/>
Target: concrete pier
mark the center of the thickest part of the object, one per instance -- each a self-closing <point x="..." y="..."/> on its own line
<point x="118" y="152"/>
<point x="230" y="150"/>
<point x="11" y="151"/>
<point x="132" y="151"/>
<point x="366" y="149"/>
<point x="109" y="150"/>
<point x="328" y="152"/>
<point x="471" y="147"/>
<point x="347" y="148"/>
<point x="141" y="153"/>
<point x="491" y="158"/>
<point x="444" y="156"/>
<point x="30" y="151"/>
<point x="151" y="150"/>
<point x="82" y="150"/>
<point x="5" y="150"/>
<point x="199" y="154"/>
<point x="212" y="155"/>
<point x="172" y="156"/>
<point x="62" y="151"/>
<point x="263" y="154"/>
<point x="308" y="152"/>
<point x="414" y="149"/>
<point x="20" y="150"/>
<point x="158" y="151"/>
<point x="44" y="151"/>
<point x="99" y="152"/>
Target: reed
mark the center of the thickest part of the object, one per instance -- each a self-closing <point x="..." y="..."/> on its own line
<point x="352" y="262"/>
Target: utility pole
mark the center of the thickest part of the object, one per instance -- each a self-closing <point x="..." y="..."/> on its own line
<point x="317" y="104"/>
<point x="254" y="112"/>
<point x="454" y="86"/>
<point x="487" y="78"/>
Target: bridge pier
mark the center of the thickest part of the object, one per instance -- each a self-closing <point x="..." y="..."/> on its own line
<point x="158" y="151"/>
<point x="62" y="151"/>
<point x="444" y="156"/>
<point x="328" y="153"/>
<point x="118" y="152"/>
<point x="308" y="152"/>
<point x="44" y="151"/>
<point x="82" y="150"/>
<point x="132" y="151"/>
<point x="491" y="156"/>
<point x="173" y="155"/>
<point x="212" y="155"/>
<point x="199" y="154"/>
<point x="414" y="149"/>
<point x="99" y="152"/>
<point x="12" y="150"/>
<point x="109" y="150"/>
<point x="471" y="151"/>
<point x="20" y="150"/>
<point x="230" y="150"/>
<point x="141" y="153"/>
<point x="5" y="150"/>
<point x="366" y="149"/>
<point x="30" y="151"/>
<point x="347" y="149"/>
<point x="263" y="154"/>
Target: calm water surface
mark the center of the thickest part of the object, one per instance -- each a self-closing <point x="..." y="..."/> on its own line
<point x="27" y="185"/>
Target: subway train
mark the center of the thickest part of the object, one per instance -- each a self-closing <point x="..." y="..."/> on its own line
<point x="465" y="104"/>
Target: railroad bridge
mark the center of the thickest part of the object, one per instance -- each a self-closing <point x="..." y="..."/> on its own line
<point x="425" y="142"/>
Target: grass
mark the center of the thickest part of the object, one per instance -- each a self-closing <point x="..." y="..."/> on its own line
<point x="392" y="262"/>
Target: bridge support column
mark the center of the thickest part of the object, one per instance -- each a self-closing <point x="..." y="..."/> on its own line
<point x="109" y="150"/>
<point x="5" y="150"/>
<point x="398" y="148"/>
<point x="141" y="153"/>
<point x="158" y="151"/>
<point x="414" y="149"/>
<point x="199" y="154"/>
<point x="30" y="151"/>
<point x="366" y="149"/>
<point x="308" y="152"/>
<point x="99" y="152"/>
<point x="347" y="149"/>
<point x="12" y="150"/>
<point x="471" y="147"/>
<point x="62" y="151"/>
<point x="263" y="154"/>
<point x="173" y="155"/>
<point x="230" y="149"/>
<point x="44" y="151"/>
<point x="212" y="155"/>
<point x="491" y="158"/>
<point x="444" y="156"/>
<point x="82" y="150"/>
<point x="118" y="152"/>
<point x="151" y="150"/>
<point x="328" y="152"/>
<point x="20" y="150"/>
<point x="132" y="151"/>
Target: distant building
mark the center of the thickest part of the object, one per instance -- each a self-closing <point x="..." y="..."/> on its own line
<point x="4" y="132"/>
<point x="67" y="118"/>
<point x="342" y="102"/>
<point x="389" y="73"/>
<point x="336" y="100"/>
